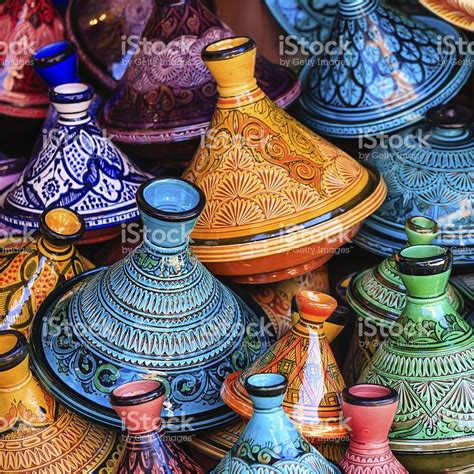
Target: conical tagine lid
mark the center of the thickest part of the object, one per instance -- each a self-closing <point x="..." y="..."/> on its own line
<point x="428" y="360"/>
<point x="37" y="434"/>
<point x="272" y="186"/>
<point x="28" y="274"/>
<point x="24" y="27"/>
<point x="428" y="172"/>
<point x="303" y="355"/>
<point x="157" y="314"/>
<point x="77" y="167"/>
<point x="457" y="12"/>
<point x="386" y="70"/>
<point x="167" y="93"/>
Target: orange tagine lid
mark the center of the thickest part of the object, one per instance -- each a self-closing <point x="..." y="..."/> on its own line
<point x="304" y="357"/>
<point x="272" y="186"/>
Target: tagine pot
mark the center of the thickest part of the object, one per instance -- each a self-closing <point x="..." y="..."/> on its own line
<point x="457" y="12"/>
<point x="465" y="285"/>
<point x="37" y="434"/>
<point x="303" y="356"/>
<point x="270" y="441"/>
<point x="157" y="314"/>
<point x="25" y="26"/>
<point x="428" y="360"/>
<point x="77" y="167"/>
<point x="280" y="199"/>
<point x="146" y="449"/>
<point x="369" y="410"/>
<point x="167" y="94"/>
<point x="384" y="71"/>
<point x="377" y="297"/>
<point x="428" y="171"/>
<point x="30" y="273"/>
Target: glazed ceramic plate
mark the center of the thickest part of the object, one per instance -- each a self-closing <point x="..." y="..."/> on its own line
<point x="457" y="12"/>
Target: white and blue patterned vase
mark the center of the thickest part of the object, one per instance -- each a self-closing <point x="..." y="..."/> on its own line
<point x="78" y="168"/>
<point x="156" y="314"/>
<point x="381" y="71"/>
<point x="429" y="171"/>
<point x="270" y="443"/>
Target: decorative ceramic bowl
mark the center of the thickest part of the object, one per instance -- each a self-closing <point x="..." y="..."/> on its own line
<point x="457" y="12"/>
<point x="25" y="26"/>
<point x="385" y="71"/>
<point x="157" y="314"/>
<point x="428" y="171"/>
<point x="280" y="198"/>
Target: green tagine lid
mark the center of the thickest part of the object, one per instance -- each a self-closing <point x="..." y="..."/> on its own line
<point x="428" y="360"/>
<point x="378" y="295"/>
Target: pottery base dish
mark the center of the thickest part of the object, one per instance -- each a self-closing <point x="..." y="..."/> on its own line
<point x="452" y="463"/>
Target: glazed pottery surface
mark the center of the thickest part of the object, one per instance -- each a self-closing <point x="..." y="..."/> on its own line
<point x="156" y="314"/>
<point x="377" y="297"/>
<point x="30" y="273"/>
<point x="315" y="383"/>
<point x="279" y="197"/>
<point x="146" y="448"/>
<point x="167" y="94"/>
<point x="270" y="441"/>
<point x="25" y="26"/>
<point x="385" y="71"/>
<point x="458" y="12"/>
<point x="428" y="360"/>
<point x="369" y="411"/>
<point x="77" y="166"/>
<point x="428" y="172"/>
<point x="37" y="434"/>
<point x="465" y="285"/>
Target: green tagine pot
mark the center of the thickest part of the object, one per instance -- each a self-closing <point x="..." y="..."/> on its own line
<point x="157" y="314"/>
<point x="377" y="297"/>
<point x="429" y="361"/>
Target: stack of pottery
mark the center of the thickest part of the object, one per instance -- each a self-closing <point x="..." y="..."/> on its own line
<point x="428" y="360"/>
<point x="377" y="297"/>
<point x="428" y="171"/>
<point x="78" y="167"/>
<point x="384" y="72"/>
<point x="457" y="12"/>
<point x="30" y="273"/>
<point x="157" y="314"/>
<point x="37" y="434"/>
<point x="167" y="93"/>
<point x="279" y="199"/>
<point x="25" y="26"/>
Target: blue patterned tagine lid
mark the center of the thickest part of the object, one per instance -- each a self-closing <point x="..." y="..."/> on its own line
<point x="157" y="314"/>
<point x="383" y="71"/>
<point x="270" y="442"/>
<point x="78" y="168"/>
<point x="428" y="171"/>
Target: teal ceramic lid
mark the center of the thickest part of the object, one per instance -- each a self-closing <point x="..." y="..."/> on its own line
<point x="429" y="170"/>
<point x="383" y="71"/>
<point x="157" y="314"/>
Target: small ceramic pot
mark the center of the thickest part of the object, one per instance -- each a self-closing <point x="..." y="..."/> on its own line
<point x="146" y="448"/>
<point x="369" y="411"/>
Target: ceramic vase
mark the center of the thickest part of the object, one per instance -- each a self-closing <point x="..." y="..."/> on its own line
<point x="30" y="273"/>
<point x="385" y="71"/>
<point x="457" y="12"/>
<point x="146" y="448"/>
<point x="37" y="434"/>
<point x="25" y="26"/>
<point x="79" y="166"/>
<point x="159" y="314"/>
<point x="369" y="410"/>
<point x="377" y="297"/>
<point x="304" y="356"/>
<point x="428" y="360"/>
<point x="167" y="94"/>
<point x="465" y="285"/>
<point x="428" y="171"/>
<point x="270" y="441"/>
<point x="279" y="198"/>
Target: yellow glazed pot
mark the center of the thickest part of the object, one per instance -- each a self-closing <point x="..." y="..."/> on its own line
<point x="457" y="12"/>
<point x="279" y="198"/>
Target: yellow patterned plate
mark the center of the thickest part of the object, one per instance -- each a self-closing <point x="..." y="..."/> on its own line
<point x="457" y="12"/>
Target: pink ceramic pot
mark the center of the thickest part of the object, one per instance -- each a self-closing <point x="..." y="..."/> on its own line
<point x="369" y="411"/>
